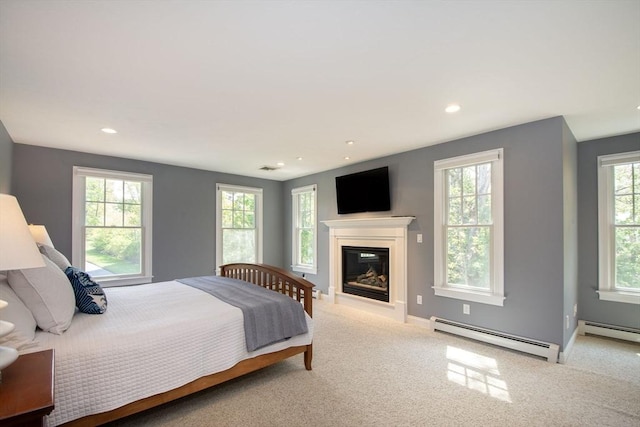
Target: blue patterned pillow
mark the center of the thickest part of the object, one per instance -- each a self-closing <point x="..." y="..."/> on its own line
<point x="90" y="297"/>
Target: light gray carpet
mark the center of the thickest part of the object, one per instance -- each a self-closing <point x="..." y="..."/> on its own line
<point x="371" y="371"/>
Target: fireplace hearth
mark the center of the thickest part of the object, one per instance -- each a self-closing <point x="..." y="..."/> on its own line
<point x="388" y="233"/>
<point x="365" y="272"/>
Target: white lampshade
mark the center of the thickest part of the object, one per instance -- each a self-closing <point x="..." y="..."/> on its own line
<point x="40" y="235"/>
<point x="17" y="248"/>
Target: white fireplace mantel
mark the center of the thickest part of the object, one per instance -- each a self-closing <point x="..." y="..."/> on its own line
<point x="386" y="232"/>
<point x="390" y="221"/>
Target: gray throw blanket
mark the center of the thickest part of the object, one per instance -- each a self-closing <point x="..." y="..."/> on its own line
<point x="269" y="316"/>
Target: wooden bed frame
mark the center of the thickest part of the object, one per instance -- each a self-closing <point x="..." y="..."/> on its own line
<point x="269" y="277"/>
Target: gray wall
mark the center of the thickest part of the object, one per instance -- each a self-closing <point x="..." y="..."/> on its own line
<point x="535" y="161"/>
<point x="590" y="307"/>
<point x="570" y="234"/>
<point x="183" y="206"/>
<point x="6" y="150"/>
<point x="546" y="271"/>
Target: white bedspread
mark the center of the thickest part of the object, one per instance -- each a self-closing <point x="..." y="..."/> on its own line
<point x="153" y="338"/>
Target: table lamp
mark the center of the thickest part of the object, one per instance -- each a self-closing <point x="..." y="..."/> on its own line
<point x="40" y="235"/>
<point x="18" y="250"/>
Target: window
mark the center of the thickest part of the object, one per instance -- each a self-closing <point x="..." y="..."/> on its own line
<point x="619" y="227"/>
<point x="304" y="215"/>
<point x="112" y="226"/>
<point x="239" y="224"/>
<point x="468" y="228"/>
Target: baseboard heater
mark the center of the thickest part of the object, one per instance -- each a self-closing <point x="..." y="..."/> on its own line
<point x="526" y="345"/>
<point x="611" y="331"/>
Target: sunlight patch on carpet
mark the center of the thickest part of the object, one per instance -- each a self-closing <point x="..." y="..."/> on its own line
<point x="476" y="372"/>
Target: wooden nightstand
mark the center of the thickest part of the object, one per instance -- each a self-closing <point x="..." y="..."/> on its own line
<point x="26" y="391"/>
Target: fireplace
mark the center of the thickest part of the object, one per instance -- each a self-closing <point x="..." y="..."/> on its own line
<point x="365" y="272"/>
<point x="376" y="239"/>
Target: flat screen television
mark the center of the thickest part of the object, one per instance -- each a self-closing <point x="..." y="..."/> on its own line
<point x="366" y="191"/>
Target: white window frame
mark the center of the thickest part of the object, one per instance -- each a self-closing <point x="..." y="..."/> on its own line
<point x="495" y="294"/>
<point x="606" y="237"/>
<point x="297" y="265"/>
<point x="78" y="217"/>
<point x="259" y="215"/>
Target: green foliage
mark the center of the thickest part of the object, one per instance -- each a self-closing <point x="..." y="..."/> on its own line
<point x="238" y="227"/>
<point x="305" y="225"/>
<point x="627" y="255"/>
<point x="239" y="246"/>
<point x="468" y="256"/>
<point x="469" y="220"/>
<point x="627" y="225"/>
<point x="119" y="243"/>
<point x="238" y="210"/>
<point x="110" y="206"/>
<point x="306" y="247"/>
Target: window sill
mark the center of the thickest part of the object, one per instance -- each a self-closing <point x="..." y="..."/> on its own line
<point x="306" y="270"/>
<point x="112" y="282"/>
<point x="467" y="295"/>
<point x="620" y="296"/>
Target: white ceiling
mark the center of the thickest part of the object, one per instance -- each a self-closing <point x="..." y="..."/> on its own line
<point x="232" y="86"/>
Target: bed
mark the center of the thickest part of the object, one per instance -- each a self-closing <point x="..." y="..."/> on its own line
<point x="194" y="341"/>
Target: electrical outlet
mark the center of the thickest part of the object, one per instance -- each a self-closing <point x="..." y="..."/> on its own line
<point x="568" y="324"/>
<point x="466" y="309"/>
<point x="419" y="299"/>
<point x="419" y="238"/>
<point x="575" y="309"/>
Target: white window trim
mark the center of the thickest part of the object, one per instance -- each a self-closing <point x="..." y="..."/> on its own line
<point x="302" y="268"/>
<point x="78" y="215"/>
<point x="252" y="190"/>
<point x="495" y="296"/>
<point x="606" y="263"/>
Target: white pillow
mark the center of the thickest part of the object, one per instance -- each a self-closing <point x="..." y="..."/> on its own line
<point x="47" y="293"/>
<point x="17" y="313"/>
<point x="54" y="255"/>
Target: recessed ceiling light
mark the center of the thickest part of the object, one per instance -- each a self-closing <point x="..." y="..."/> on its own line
<point x="298" y="158"/>
<point x="349" y="142"/>
<point x="638" y="107"/>
<point x="280" y="164"/>
<point x="452" y="108"/>
<point x="108" y="130"/>
<point x="347" y="157"/>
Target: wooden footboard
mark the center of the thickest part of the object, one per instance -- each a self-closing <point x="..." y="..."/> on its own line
<point x="263" y="275"/>
<point x="273" y="278"/>
<point x="278" y="280"/>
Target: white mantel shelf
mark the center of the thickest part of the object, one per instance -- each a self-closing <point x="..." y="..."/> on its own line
<point x="386" y="232"/>
<point x="388" y="221"/>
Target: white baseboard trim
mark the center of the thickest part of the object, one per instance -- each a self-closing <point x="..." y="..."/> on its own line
<point x="563" y="356"/>
<point x="611" y="331"/>
<point x="420" y="321"/>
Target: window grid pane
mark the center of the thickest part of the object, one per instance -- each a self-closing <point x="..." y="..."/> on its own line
<point x="113" y="215"/>
<point x="114" y="190"/>
<point x="469" y="195"/>
<point x="468" y="231"/>
<point x="627" y="258"/>
<point x="306" y="247"/>
<point x="239" y="246"/>
<point x="239" y="229"/>
<point x="468" y="256"/>
<point x="238" y="210"/>
<point x="626" y="206"/>
<point x="304" y="228"/>
<point x="113" y="227"/>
